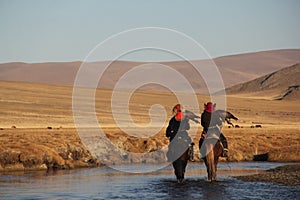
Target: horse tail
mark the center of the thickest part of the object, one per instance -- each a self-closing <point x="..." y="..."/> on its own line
<point x="210" y="163"/>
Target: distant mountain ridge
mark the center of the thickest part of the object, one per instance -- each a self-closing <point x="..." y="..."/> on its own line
<point x="283" y="84"/>
<point x="234" y="69"/>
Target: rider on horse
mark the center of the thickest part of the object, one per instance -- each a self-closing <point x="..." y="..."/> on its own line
<point x="178" y="126"/>
<point x="210" y="120"/>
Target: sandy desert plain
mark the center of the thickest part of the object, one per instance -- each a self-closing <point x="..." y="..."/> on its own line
<point x="38" y="132"/>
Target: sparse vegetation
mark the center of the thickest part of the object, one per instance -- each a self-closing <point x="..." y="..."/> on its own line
<point x="36" y="145"/>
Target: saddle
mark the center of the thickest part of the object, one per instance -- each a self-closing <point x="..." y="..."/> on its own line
<point x="176" y="148"/>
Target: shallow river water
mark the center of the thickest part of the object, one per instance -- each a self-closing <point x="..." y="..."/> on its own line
<point x="107" y="183"/>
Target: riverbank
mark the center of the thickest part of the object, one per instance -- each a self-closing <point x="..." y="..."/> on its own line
<point x="38" y="131"/>
<point x="286" y="175"/>
<point x="43" y="149"/>
<point x="61" y="148"/>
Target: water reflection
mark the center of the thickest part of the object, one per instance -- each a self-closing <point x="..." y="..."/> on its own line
<point x="192" y="188"/>
<point x="106" y="183"/>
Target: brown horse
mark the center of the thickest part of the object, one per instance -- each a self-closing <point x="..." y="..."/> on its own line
<point x="179" y="153"/>
<point x="214" y="150"/>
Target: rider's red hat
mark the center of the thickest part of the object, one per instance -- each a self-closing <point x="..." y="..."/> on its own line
<point x="209" y="107"/>
<point x="177" y="108"/>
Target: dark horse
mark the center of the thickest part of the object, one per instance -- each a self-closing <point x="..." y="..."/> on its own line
<point x="180" y="151"/>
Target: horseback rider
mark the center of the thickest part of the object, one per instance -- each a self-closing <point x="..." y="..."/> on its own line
<point x="211" y="120"/>
<point x="178" y="126"/>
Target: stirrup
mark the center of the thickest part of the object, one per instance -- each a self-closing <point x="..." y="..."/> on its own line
<point x="192" y="159"/>
<point x="191" y="156"/>
<point x="225" y="153"/>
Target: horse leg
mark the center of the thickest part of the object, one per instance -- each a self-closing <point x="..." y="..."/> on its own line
<point x="209" y="165"/>
<point x="218" y="151"/>
<point x="175" y="166"/>
<point x="178" y="170"/>
<point x="212" y="167"/>
<point x="180" y="173"/>
<point x="214" y="172"/>
<point x="184" y="164"/>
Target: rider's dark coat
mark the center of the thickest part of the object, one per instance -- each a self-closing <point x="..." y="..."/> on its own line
<point x="210" y="120"/>
<point x="179" y="127"/>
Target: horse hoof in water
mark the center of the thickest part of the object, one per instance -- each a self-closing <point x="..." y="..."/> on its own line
<point x="208" y="180"/>
<point x="180" y="180"/>
<point x="211" y="180"/>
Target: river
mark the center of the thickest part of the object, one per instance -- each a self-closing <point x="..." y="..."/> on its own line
<point x="107" y="183"/>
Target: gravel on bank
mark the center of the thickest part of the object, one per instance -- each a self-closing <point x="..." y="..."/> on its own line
<point x="286" y="175"/>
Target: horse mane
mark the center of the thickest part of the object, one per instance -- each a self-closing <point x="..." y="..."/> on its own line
<point x="190" y="115"/>
<point x="226" y="116"/>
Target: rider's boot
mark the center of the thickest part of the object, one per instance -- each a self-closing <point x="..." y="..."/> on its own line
<point x="225" y="145"/>
<point x="200" y="144"/>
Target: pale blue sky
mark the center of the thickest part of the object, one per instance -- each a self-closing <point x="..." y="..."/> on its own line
<point x="66" y="30"/>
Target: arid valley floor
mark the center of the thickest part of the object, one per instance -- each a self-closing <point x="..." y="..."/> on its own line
<point x="38" y="132"/>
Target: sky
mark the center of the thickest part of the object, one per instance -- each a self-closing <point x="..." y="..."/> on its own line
<point x="67" y="30"/>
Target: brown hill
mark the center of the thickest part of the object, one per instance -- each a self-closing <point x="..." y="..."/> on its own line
<point x="234" y="69"/>
<point x="282" y="84"/>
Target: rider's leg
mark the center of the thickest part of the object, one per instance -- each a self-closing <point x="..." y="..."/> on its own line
<point x="200" y="144"/>
<point x="225" y="145"/>
<point x="203" y="135"/>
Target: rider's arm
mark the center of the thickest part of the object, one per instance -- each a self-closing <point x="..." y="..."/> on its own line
<point x="169" y="130"/>
<point x="187" y="125"/>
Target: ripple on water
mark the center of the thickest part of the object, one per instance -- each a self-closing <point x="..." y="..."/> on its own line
<point x="106" y="183"/>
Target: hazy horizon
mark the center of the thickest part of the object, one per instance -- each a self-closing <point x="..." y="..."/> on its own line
<point x="64" y="31"/>
<point x="137" y="61"/>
